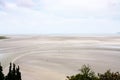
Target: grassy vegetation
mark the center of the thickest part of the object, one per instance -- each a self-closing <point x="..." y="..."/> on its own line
<point x="87" y="74"/>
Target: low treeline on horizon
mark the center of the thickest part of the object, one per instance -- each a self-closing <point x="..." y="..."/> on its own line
<point x="3" y="37"/>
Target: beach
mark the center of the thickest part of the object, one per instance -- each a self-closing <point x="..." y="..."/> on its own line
<point x="55" y="57"/>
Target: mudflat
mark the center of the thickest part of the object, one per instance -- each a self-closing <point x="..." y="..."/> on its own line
<point x="55" y="57"/>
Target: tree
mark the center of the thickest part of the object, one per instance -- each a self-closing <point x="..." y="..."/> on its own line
<point x="108" y="75"/>
<point x="14" y="73"/>
<point x="85" y="74"/>
<point x="18" y="74"/>
<point x="9" y="75"/>
<point x="1" y="73"/>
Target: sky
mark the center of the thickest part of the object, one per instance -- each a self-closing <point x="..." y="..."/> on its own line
<point x="59" y="16"/>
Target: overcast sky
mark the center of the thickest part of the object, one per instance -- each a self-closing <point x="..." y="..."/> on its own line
<point x="59" y="16"/>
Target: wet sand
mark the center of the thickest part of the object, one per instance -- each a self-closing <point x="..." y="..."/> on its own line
<point x="54" y="58"/>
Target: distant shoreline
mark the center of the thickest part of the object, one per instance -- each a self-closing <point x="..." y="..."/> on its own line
<point x="3" y="37"/>
<point x="77" y="35"/>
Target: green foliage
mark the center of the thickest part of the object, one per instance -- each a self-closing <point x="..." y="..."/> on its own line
<point x="108" y="75"/>
<point x="13" y="74"/>
<point x="87" y="74"/>
<point x="1" y="73"/>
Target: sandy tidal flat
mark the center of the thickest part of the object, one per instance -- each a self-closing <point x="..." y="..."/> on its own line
<point x="54" y="58"/>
